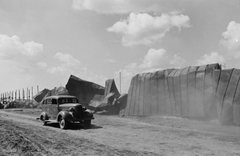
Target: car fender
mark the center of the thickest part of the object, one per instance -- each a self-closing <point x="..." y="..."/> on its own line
<point x="88" y="115"/>
<point x="44" y="116"/>
<point x="65" y="115"/>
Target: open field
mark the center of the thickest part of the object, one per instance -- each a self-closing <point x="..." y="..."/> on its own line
<point x="22" y="134"/>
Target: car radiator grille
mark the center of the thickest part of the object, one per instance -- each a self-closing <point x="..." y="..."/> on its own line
<point x="78" y="112"/>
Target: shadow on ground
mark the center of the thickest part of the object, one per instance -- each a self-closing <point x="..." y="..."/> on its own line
<point x="75" y="126"/>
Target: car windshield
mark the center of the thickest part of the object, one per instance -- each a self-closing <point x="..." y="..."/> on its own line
<point x="67" y="100"/>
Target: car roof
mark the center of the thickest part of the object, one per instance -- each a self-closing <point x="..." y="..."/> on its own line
<point x="59" y="96"/>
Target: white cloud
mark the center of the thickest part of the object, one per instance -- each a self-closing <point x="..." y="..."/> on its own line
<point x="68" y="64"/>
<point x="154" y="60"/>
<point x="18" y="61"/>
<point x="31" y="48"/>
<point x="177" y="61"/>
<point x="145" y="29"/>
<point x="42" y="64"/>
<point x="232" y="36"/>
<point x="213" y="57"/>
<point x="110" y="60"/>
<point x="179" y="21"/>
<point x="116" y="6"/>
<point x="12" y="47"/>
<point x="127" y="6"/>
<point x="61" y="69"/>
<point x="67" y="59"/>
<point x="231" y="39"/>
<point x="23" y="54"/>
<point x="158" y="59"/>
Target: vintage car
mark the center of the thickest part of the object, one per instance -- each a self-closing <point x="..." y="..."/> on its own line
<point x="65" y="110"/>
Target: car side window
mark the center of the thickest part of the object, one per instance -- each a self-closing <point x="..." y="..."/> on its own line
<point x="61" y="101"/>
<point x="74" y="100"/>
<point x="49" y="101"/>
<point x="45" y="102"/>
<point x="54" y="101"/>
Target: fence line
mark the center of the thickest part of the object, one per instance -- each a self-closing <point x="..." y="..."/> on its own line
<point x="19" y="94"/>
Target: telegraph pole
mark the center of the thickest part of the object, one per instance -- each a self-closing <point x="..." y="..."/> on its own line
<point x="120" y="77"/>
<point x="37" y="89"/>
<point x="32" y="92"/>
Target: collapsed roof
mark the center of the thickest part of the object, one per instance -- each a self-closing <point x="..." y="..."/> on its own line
<point x="110" y="92"/>
<point x="57" y="91"/>
<point x="104" y="101"/>
<point x="83" y="90"/>
<point x="112" y="101"/>
<point x="110" y="87"/>
<point x="100" y="102"/>
<point x="38" y="97"/>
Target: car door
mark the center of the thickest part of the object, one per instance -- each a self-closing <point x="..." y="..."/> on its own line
<point x="43" y="105"/>
<point x="54" y="108"/>
<point x="48" y="107"/>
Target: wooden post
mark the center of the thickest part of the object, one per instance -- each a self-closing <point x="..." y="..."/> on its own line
<point x="120" y="82"/>
<point x="37" y="89"/>
<point x="32" y="92"/>
<point x="9" y="96"/>
<point x="27" y="94"/>
<point x="12" y="94"/>
<point x="15" y="95"/>
<point x="19" y="95"/>
<point x="23" y="94"/>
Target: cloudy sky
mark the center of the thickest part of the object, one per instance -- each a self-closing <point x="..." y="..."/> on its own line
<point x="43" y="42"/>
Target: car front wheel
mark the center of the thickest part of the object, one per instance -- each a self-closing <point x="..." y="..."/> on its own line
<point x="87" y="123"/>
<point x="63" y="124"/>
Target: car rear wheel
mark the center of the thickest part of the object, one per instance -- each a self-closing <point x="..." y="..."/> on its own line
<point x="87" y="123"/>
<point x="44" y="122"/>
<point x="63" y="124"/>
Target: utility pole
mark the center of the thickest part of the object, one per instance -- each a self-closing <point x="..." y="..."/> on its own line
<point x="23" y="94"/>
<point x="27" y="94"/>
<point x="120" y="77"/>
<point x="224" y="66"/>
<point x="12" y="95"/>
<point x="32" y="92"/>
<point x="19" y="97"/>
<point x="37" y="89"/>
<point x="15" y="95"/>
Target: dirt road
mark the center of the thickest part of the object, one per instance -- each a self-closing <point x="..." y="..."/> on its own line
<point x="21" y="134"/>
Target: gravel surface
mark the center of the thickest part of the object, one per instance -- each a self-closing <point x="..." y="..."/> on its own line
<point x="22" y="134"/>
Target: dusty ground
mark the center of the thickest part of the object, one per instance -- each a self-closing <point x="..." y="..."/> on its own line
<point x="21" y="134"/>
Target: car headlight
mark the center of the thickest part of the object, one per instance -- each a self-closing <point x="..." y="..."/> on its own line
<point x="89" y="111"/>
<point x="71" y="109"/>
